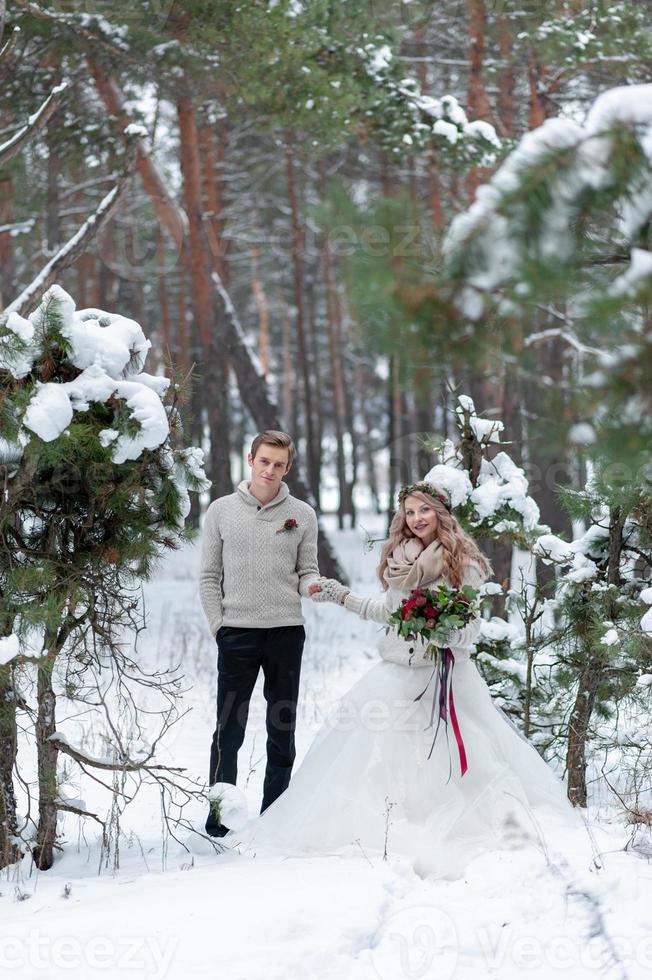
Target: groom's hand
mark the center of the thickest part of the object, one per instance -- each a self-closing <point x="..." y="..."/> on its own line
<point x="314" y="587"/>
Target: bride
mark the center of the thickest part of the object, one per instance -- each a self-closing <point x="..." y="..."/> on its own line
<point x="372" y="780"/>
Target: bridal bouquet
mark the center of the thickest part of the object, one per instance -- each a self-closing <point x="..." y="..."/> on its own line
<point x="433" y="613"/>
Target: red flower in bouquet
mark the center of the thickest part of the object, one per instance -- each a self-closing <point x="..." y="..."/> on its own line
<point x="433" y="613"/>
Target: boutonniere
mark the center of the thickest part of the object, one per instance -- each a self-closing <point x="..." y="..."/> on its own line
<point x="288" y="525"/>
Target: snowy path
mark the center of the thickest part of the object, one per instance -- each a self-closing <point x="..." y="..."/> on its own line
<point x="235" y="917"/>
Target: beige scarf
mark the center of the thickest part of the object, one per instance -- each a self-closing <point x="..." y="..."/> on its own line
<point x="410" y="565"/>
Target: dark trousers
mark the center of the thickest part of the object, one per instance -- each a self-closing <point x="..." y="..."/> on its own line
<point x="241" y="654"/>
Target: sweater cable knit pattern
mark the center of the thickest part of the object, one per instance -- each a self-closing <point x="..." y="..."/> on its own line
<point x="252" y="574"/>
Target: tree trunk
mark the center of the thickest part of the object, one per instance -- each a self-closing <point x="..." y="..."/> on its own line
<point x="337" y="385"/>
<point x="590" y="678"/>
<point x="53" y="228"/>
<point x="477" y="99"/>
<point x="304" y="366"/>
<point x="315" y="368"/>
<point x="288" y="401"/>
<point x="9" y="849"/>
<point x="349" y="418"/>
<point x="7" y="280"/>
<point x="167" y="211"/>
<point x="478" y="105"/>
<point x="578" y="730"/>
<point x="536" y="109"/>
<point x="215" y="371"/>
<point x="47" y="754"/>
<point x="506" y="79"/>
<point x="165" y="332"/>
<point x="362" y="387"/>
<point x="265" y="414"/>
<point x="262" y="305"/>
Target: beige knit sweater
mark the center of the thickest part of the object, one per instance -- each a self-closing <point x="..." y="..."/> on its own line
<point x="253" y="574"/>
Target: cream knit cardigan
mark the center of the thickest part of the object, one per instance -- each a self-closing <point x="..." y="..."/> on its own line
<point x="253" y="574"/>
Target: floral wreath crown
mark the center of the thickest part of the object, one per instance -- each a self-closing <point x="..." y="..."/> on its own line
<point x="427" y="488"/>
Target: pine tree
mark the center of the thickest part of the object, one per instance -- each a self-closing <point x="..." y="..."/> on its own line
<point x="97" y="488"/>
<point x="573" y="656"/>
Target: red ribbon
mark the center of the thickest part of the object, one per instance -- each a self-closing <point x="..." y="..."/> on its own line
<point x="456" y="727"/>
<point x="443" y="693"/>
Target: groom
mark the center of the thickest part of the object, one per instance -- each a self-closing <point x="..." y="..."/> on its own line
<point x="259" y="556"/>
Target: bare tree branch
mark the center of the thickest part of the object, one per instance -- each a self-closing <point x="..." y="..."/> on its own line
<point x="76" y="245"/>
<point x="35" y="123"/>
<point x="70" y="808"/>
<point x="126" y="765"/>
<point x="168" y="212"/>
<point x="2" y="23"/>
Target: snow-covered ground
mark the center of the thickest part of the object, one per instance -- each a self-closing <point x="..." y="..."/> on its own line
<point x="169" y="912"/>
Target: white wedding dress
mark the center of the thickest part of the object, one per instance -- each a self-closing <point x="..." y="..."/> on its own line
<point x="366" y="782"/>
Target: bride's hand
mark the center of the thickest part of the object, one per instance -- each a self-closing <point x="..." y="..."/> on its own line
<point x="328" y="590"/>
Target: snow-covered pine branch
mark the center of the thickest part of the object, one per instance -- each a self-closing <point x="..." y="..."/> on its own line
<point x="490" y="248"/>
<point x="92" y="29"/>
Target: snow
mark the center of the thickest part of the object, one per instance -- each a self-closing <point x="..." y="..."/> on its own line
<point x="486" y="430"/>
<point x="21" y="327"/>
<point x="234" y="810"/>
<point x="636" y="274"/>
<point x="581" y="434"/>
<point x="110" y="351"/>
<point x="582" y="570"/>
<point x="454" y="481"/>
<point x="549" y="548"/>
<point x="9" y="648"/>
<point x="135" y="129"/>
<point x="491" y="588"/>
<point x="623" y="104"/>
<point x="498" y="630"/>
<point x="146" y="407"/>
<point x="506" y="665"/>
<point x="646" y="622"/>
<point x="447" y="130"/>
<point x="164" y="913"/>
<point x="502" y="483"/>
<point x="49" y="411"/>
<point x="105" y="339"/>
<point x="610" y="638"/>
<point x="646" y="595"/>
<point x="379" y="58"/>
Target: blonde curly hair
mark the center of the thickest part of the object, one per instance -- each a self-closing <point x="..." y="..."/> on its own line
<point x="458" y="547"/>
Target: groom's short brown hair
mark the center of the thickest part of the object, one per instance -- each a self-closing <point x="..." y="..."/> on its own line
<point x="274" y="437"/>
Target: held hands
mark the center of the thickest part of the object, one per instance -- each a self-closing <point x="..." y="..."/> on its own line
<point x="328" y="590"/>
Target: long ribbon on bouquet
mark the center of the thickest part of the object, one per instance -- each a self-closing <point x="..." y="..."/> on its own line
<point x="443" y="703"/>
